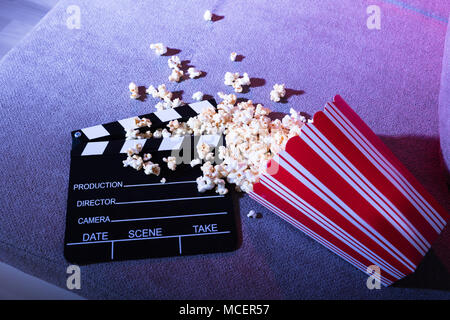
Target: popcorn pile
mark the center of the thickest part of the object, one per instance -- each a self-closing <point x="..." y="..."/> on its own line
<point x="165" y="95"/>
<point x="137" y="162"/>
<point x="252" y="139"/>
<point x="133" y="133"/>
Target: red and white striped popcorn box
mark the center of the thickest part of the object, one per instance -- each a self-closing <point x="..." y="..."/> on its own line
<point x="338" y="183"/>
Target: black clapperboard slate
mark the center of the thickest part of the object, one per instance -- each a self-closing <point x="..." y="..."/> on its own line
<point x="118" y="213"/>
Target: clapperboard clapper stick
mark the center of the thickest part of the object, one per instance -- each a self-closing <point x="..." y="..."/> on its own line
<point x="117" y="213"/>
<point x="117" y="129"/>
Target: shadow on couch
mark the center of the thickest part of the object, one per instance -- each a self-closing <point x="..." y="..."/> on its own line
<point x="421" y="156"/>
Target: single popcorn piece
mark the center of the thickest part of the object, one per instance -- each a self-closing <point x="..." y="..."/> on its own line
<point x="233" y="56"/>
<point x="204" y="184"/>
<point x="151" y="168"/>
<point x="174" y="62"/>
<point x="176" y="103"/>
<point x="252" y="214"/>
<point x="195" y="162"/>
<point x="197" y="96"/>
<point x="176" y="75"/>
<point x="277" y="93"/>
<point x="158" y="48"/>
<point x="147" y="157"/>
<point x="163" y="180"/>
<point x="134" y="89"/>
<point x="171" y="162"/>
<point x="194" y="73"/>
<point x="203" y="149"/>
<point x="220" y="186"/>
<point x="207" y="16"/>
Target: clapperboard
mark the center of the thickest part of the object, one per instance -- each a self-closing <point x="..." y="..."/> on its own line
<point x="118" y="213"/>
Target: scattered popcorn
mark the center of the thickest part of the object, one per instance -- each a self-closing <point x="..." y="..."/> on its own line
<point x="252" y="139"/>
<point x="233" y="56"/>
<point x="207" y="15"/>
<point x="131" y="134"/>
<point x="252" y="214"/>
<point x="234" y="80"/>
<point x="171" y="162"/>
<point x="134" y="89"/>
<point x="161" y="92"/>
<point x="277" y="93"/>
<point x="158" y="48"/>
<point x="135" y="150"/>
<point x="163" y="180"/>
<point x="144" y="122"/>
<point x="174" y="62"/>
<point x="194" y="73"/>
<point x="133" y="161"/>
<point x="197" y="96"/>
<point x="179" y="129"/>
<point x="176" y="75"/>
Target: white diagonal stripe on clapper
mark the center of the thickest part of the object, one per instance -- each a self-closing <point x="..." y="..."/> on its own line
<point x="387" y="169"/>
<point x="334" y="158"/>
<point x="293" y="199"/>
<point x="304" y="176"/>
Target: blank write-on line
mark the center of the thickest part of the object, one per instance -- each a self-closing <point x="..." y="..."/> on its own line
<point x="156" y="184"/>
<point x="171" y="217"/>
<point x="165" y="200"/>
